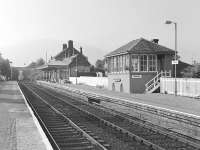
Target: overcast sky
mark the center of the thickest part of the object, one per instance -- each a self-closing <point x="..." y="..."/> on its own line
<point x="29" y="28"/>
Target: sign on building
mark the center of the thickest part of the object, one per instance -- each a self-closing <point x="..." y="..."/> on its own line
<point x="137" y="76"/>
<point x="174" y="62"/>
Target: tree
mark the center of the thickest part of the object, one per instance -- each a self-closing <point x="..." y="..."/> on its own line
<point x="37" y="63"/>
<point x="192" y="71"/>
<point x="92" y="68"/>
<point x="100" y="64"/>
<point x="32" y="65"/>
<point x="5" y="67"/>
<point x="31" y="72"/>
<point x="188" y="72"/>
<point x="40" y="62"/>
<point x="15" y="73"/>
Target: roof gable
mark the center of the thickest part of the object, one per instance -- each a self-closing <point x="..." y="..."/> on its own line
<point x="140" y="46"/>
<point x="62" y="53"/>
<point x="125" y="48"/>
<point x="57" y="63"/>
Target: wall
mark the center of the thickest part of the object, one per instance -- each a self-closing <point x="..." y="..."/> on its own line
<point x="80" y="69"/>
<point x="82" y="63"/>
<point x="117" y="79"/>
<point x="138" y="84"/>
<point x="185" y="86"/>
<point x="168" y="63"/>
<point x="92" y="81"/>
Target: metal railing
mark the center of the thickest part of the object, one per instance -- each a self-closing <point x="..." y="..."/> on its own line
<point x="155" y="82"/>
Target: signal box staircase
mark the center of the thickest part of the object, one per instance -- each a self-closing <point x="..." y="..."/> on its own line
<point x="154" y="84"/>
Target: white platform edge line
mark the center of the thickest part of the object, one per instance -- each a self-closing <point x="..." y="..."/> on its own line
<point x="143" y="104"/>
<point x="43" y="135"/>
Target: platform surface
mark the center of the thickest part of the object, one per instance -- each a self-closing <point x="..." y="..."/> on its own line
<point x="17" y="128"/>
<point x="177" y="103"/>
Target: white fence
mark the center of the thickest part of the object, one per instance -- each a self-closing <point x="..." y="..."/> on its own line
<point x="92" y="81"/>
<point x="185" y="86"/>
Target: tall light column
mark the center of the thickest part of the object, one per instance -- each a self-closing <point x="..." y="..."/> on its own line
<point x="176" y="61"/>
<point x="11" y="70"/>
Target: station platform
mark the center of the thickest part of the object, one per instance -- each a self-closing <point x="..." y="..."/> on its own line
<point x="18" y="128"/>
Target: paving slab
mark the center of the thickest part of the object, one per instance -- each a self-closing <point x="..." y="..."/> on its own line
<point x="18" y="131"/>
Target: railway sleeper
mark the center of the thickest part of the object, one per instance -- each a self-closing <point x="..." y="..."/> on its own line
<point x="66" y="133"/>
<point x="63" y="131"/>
<point x="53" y="126"/>
<point x="87" y="147"/>
<point x="60" y="123"/>
<point x="61" y="128"/>
<point x="75" y="144"/>
<point x="83" y="148"/>
<point x="68" y="136"/>
<point x="72" y="140"/>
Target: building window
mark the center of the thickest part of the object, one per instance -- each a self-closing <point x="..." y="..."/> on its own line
<point x="111" y="64"/>
<point x="121" y="63"/>
<point x="118" y="63"/>
<point x="115" y="64"/>
<point x="124" y="62"/>
<point x="113" y="86"/>
<point x="135" y="63"/>
<point x="121" y="88"/>
<point x="107" y="64"/>
<point x="152" y="63"/>
<point x="143" y="63"/>
<point x="127" y="62"/>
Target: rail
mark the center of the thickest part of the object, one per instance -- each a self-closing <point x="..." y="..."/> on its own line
<point x="106" y="122"/>
<point x="90" y="138"/>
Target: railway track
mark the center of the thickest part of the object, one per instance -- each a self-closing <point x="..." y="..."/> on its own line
<point x="61" y="131"/>
<point x="127" y="130"/>
<point x="96" y="99"/>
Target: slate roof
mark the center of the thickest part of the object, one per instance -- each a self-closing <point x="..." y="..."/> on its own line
<point x="57" y="63"/>
<point x="141" y="46"/>
<point x="63" y="52"/>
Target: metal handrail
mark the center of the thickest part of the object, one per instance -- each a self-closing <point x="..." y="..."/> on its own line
<point x="153" y="82"/>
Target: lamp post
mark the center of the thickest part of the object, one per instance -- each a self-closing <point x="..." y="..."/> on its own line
<point x="175" y="25"/>
<point x="76" y="66"/>
<point x="10" y="70"/>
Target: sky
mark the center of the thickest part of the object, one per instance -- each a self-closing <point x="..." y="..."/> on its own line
<point x="31" y="28"/>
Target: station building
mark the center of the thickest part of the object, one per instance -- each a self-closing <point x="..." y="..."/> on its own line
<point x="137" y="66"/>
<point x="68" y="63"/>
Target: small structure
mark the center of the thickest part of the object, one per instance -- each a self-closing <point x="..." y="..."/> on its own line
<point x="137" y="66"/>
<point x="68" y="63"/>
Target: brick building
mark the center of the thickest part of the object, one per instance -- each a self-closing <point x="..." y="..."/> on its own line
<point x="68" y="63"/>
<point x="137" y="66"/>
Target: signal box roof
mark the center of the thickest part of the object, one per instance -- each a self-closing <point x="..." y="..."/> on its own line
<point x="141" y="46"/>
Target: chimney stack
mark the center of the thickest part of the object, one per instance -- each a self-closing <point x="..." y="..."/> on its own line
<point x="70" y="44"/>
<point x="81" y="50"/>
<point x="64" y="46"/>
<point x="155" y="41"/>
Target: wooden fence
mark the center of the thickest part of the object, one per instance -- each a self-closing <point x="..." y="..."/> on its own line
<point x="185" y="86"/>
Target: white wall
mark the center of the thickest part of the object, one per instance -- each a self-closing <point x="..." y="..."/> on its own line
<point x="185" y="86"/>
<point x="92" y="81"/>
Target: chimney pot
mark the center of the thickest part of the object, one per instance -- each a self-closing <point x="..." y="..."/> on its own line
<point x="70" y="44"/>
<point x="155" y="41"/>
<point x="64" y="46"/>
<point x="81" y="50"/>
